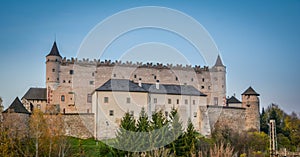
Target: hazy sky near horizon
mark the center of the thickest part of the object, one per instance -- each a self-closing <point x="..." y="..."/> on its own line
<point x="259" y="41"/>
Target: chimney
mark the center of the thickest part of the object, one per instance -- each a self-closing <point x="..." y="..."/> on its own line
<point x="157" y="84"/>
<point x="140" y="82"/>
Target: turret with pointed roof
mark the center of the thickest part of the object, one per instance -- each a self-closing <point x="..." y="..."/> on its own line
<point x="250" y="91"/>
<point x="250" y="101"/>
<point x="219" y="61"/>
<point x="54" y="50"/>
<point x="16" y="107"/>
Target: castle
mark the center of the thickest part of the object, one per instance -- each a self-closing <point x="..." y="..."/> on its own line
<point x="102" y="91"/>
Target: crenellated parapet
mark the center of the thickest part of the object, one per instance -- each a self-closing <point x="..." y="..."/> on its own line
<point x="99" y="63"/>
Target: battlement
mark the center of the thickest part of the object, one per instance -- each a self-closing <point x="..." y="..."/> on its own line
<point x="98" y="63"/>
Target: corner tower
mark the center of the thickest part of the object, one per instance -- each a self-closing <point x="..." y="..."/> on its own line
<point x="53" y="61"/>
<point x="250" y="102"/>
<point x="218" y="80"/>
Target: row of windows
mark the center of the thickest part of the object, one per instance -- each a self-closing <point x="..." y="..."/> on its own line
<point x="111" y="113"/>
<point x="128" y="100"/>
<point x="89" y="98"/>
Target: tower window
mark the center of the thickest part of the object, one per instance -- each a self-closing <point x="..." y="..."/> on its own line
<point x="115" y="75"/>
<point x="53" y="70"/>
<point x="202" y="87"/>
<point x="177" y="101"/>
<point x="64" y="81"/>
<point x="62" y="98"/>
<point x="203" y="79"/>
<point x="48" y="78"/>
<point x="69" y="81"/>
<point x="176" y="78"/>
<point x="215" y="100"/>
<point x="71" y="72"/>
<point x="154" y="77"/>
<point x="134" y="76"/>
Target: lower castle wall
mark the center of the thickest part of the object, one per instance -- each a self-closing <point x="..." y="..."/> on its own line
<point x="79" y="125"/>
<point x="231" y="117"/>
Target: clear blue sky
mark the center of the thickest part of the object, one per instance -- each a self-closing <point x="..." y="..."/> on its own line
<point x="259" y="41"/>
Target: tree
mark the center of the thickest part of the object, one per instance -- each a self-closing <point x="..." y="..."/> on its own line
<point x="125" y="139"/>
<point x="143" y="129"/>
<point x="175" y="133"/>
<point x="38" y="130"/>
<point x="190" y="137"/>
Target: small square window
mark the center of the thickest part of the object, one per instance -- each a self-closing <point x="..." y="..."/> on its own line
<point x="202" y="87"/>
<point x="131" y="113"/>
<point x="53" y="70"/>
<point x="91" y="82"/>
<point x="195" y="114"/>
<point x="105" y="99"/>
<point x="169" y="101"/>
<point x="115" y="75"/>
<point x="154" y="100"/>
<point x="186" y="101"/>
<point x="111" y="112"/>
<point x="128" y="100"/>
<point x="71" y="72"/>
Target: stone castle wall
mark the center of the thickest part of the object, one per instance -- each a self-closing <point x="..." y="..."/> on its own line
<point x="231" y="117"/>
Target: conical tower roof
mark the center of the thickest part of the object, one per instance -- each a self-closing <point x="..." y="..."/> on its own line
<point x="219" y="61"/>
<point x="54" y="50"/>
<point x="17" y="107"/>
<point x="250" y="91"/>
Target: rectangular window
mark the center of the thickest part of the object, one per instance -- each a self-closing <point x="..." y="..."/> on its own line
<point x="71" y="72"/>
<point x="53" y="70"/>
<point x="215" y="100"/>
<point x="202" y="87"/>
<point x="111" y="112"/>
<point x="91" y="82"/>
<point x="128" y="100"/>
<point x="177" y="101"/>
<point x="89" y="98"/>
<point x="195" y="114"/>
<point x="154" y="100"/>
<point x="186" y="101"/>
<point x="169" y="101"/>
<point x="105" y="99"/>
<point x="62" y="98"/>
<point x="194" y="102"/>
